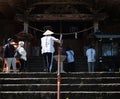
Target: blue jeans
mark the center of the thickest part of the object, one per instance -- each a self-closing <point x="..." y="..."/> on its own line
<point x="91" y="66"/>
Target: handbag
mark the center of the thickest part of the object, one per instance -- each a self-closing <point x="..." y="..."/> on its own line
<point x="17" y="55"/>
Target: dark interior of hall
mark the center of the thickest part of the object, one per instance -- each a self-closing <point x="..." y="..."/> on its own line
<point x="81" y="22"/>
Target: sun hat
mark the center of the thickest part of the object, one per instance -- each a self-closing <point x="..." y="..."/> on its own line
<point x="48" y="32"/>
<point x="21" y="43"/>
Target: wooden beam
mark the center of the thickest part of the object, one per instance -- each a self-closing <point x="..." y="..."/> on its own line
<point x="38" y="17"/>
<point x="60" y="3"/>
<point x="1" y="1"/>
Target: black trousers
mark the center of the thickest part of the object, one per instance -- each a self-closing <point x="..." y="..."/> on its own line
<point x="48" y="60"/>
<point x="23" y="65"/>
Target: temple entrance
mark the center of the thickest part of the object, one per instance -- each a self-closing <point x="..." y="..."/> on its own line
<point x="74" y="33"/>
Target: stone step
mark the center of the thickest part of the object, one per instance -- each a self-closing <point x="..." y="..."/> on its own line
<point x="91" y="74"/>
<point x="28" y="75"/>
<point x="35" y="68"/>
<point x="28" y="80"/>
<point x="64" y="80"/>
<point x="64" y="87"/>
<point x="63" y="95"/>
<point x="54" y="74"/>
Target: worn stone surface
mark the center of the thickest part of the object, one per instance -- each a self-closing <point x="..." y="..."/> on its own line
<point x="41" y="85"/>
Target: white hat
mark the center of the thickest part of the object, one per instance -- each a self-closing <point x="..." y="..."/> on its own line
<point x="10" y="39"/>
<point x="48" y="32"/>
<point x="21" y="43"/>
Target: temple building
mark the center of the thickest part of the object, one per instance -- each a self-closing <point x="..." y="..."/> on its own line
<point x="80" y="22"/>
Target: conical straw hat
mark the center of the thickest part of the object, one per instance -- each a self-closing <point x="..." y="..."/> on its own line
<point x="48" y="32"/>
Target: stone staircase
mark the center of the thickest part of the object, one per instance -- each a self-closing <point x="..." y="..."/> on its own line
<point x="35" y="64"/>
<point x="76" y="85"/>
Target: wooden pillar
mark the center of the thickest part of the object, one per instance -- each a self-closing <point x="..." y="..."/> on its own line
<point x="27" y="43"/>
<point x="26" y="27"/>
<point x="96" y="26"/>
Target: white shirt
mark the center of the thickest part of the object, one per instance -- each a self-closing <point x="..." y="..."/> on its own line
<point x="90" y="53"/>
<point x="22" y="52"/>
<point x="70" y="56"/>
<point x="47" y="44"/>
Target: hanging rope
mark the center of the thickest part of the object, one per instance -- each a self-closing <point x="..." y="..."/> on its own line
<point x="77" y="32"/>
<point x="36" y="29"/>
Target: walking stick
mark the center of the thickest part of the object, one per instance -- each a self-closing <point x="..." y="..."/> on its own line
<point x="58" y="73"/>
